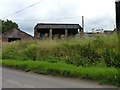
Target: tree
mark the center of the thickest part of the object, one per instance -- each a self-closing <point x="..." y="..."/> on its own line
<point x="8" y="25"/>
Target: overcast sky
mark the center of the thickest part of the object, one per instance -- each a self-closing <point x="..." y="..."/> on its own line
<point x="97" y="13"/>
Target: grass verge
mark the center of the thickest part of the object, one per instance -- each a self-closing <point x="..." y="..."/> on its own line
<point x="102" y="74"/>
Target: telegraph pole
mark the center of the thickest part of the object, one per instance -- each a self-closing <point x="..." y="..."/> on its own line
<point x="117" y="3"/>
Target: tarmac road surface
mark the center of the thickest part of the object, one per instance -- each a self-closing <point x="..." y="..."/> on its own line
<point x="12" y="78"/>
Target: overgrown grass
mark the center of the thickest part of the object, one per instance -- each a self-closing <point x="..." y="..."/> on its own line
<point x="104" y="75"/>
<point x="76" y="51"/>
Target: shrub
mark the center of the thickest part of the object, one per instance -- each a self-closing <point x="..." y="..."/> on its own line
<point x="112" y="58"/>
<point x="76" y="51"/>
<point x="91" y="54"/>
<point x="10" y="52"/>
<point x="31" y="51"/>
<point x="77" y="60"/>
<point x="53" y="59"/>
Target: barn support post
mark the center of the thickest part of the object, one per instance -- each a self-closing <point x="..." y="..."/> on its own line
<point x="81" y="32"/>
<point x="35" y="33"/>
<point x="66" y="33"/>
<point x="38" y="35"/>
<point x="50" y="33"/>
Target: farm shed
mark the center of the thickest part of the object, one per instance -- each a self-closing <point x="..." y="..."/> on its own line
<point x="14" y="35"/>
<point x="51" y="30"/>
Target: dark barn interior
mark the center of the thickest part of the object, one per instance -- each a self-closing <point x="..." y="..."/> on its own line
<point x="13" y="39"/>
<point x="72" y="32"/>
<point x="56" y="30"/>
<point x="43" y="32"/>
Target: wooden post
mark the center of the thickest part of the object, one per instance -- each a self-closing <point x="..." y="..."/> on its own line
<point x="36" y="34"/>
<point x="50" y="33"/>
<point x="66" y="33"/>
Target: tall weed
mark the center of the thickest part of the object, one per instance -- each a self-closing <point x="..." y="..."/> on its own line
<point x="76" y="51"/>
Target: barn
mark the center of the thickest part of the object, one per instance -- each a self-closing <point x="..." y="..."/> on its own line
<point x="14" y="34"/>
<point x="51" y="30"/>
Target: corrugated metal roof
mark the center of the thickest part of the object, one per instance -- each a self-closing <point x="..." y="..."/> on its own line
<point x="57" y="26"/>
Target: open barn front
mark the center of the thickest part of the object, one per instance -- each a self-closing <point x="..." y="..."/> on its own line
<point x="72" y="32"/>
<point x="42" y="33"/>
<point x="43" y="30"/>
<point x="57" y="33"/>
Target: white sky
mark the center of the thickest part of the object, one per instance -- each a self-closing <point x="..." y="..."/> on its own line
<point x="97" y="13"/>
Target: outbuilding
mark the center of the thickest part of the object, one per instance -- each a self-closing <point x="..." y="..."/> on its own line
<point x="14" y="34"/>
<point x="51" y="30"/>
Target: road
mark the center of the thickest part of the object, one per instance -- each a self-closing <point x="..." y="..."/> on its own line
<point x="19" y="79"/>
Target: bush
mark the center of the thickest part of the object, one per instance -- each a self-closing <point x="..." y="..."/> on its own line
<point x="91" y="54"/>
<point x="31" y="51"/>
<point x="76" y="51"/>
<point x="77" y="60"/>
<point x="10" y="52"/>
<point x="112" y="58"/>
